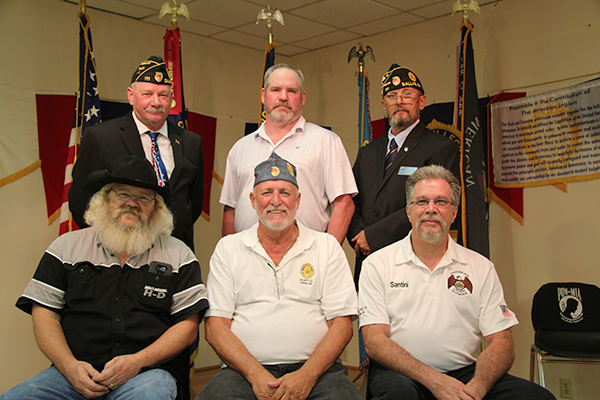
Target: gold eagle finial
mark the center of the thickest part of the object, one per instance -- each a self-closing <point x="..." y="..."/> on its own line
<point x="465" y="6"/>
<point x="269" y="14"/>
<point x="360" y="53"/>
<point x="174" y="11"/>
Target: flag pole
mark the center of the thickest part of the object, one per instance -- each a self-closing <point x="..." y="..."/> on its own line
<point x="364" y="112"/>
<point x="473" y="226"/>
<point x="268" y="14"/>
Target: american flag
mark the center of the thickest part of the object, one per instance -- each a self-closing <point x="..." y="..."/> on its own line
<point x="87" y="112"/>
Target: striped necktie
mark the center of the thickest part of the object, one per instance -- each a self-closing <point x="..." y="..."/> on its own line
<point x="157" y="162"/>
<point x="389" y="159"/>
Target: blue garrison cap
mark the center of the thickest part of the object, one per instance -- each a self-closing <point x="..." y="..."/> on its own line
<point x="275" y="168"/>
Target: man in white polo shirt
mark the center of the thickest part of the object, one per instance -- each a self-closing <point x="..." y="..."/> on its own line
<point x="281" y="300"/>
<point x="324" y="171"/>
<point x="426" y="303"/>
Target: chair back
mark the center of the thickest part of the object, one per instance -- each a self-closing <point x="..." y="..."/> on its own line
<point x="566" y="319"/>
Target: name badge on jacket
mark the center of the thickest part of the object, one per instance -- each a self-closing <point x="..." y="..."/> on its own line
<point x="407" y="171"/>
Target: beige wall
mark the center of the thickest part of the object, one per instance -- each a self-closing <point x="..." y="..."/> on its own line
<point x="517" y="44"/>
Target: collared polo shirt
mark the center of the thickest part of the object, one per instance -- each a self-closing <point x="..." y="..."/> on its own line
<point x="280" y="313"/>
<point x="439" y="317"/>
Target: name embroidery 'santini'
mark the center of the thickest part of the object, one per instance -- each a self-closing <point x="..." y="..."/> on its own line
<point x="459" y="283"/>
<point x="396" y="285"/>
<point x="308" y="272"/>
<point x="150" y="291"/>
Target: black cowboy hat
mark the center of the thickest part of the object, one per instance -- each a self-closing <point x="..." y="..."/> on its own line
<point x="132" y="170"/>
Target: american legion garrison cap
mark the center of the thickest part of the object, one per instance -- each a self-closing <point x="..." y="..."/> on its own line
<point x="398" y="77"/>
<point x="152" y="70"/>
<point x="275" y="168"/>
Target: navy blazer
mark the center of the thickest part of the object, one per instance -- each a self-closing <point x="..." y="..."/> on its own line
<point x="380" y="205"/>
<point x="104" y="145"/>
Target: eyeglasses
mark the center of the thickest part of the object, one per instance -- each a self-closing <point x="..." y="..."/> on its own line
<point x="406" y="96"/>
<point x="439" y="203"/>
<point x="125" y="196"/>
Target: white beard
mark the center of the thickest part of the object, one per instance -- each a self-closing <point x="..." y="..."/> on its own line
<point x="125" y="239"/>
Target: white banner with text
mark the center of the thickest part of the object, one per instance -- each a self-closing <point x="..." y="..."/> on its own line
<point x="548" y="138"/>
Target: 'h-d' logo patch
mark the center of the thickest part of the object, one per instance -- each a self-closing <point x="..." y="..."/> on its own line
<point x="158" y="293"/>
<point x="570" y="304"/>
<point x="459" y="283"/>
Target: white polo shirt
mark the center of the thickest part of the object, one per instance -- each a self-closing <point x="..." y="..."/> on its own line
<point x="324" y="172"/>
<point x="280" y="313"/>
<point x="438" y="316"/>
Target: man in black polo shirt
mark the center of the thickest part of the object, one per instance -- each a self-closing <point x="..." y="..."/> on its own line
<point x="113" y="304"/>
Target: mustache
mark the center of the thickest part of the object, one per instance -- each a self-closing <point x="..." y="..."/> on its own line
<point x="137" y="212"/>
<point x="282" y="104"/>
<point x="430" y="217"/>
<point x="154" y="110"/>
<point x="276" y="208"/>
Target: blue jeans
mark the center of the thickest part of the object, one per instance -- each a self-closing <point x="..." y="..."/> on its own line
<point x="385" y="384"/>
<point x="50" y="384"/>
<point x="229" y="384"/>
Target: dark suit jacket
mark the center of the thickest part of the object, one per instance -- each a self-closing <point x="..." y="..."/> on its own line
<point x="381" y="200"/>
<point x="106" y="144"/>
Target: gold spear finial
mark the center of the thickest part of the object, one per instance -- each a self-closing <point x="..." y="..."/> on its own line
<point x="269" y="14"/>
<point x="464" y="6"/>
<point x="358" y="51"/>
<point x="174" y="10"/>
<point x="82" y="6"/>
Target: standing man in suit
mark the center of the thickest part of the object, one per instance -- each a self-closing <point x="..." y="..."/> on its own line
<point x="174" y="152"/>
<point x="382" y="167"/>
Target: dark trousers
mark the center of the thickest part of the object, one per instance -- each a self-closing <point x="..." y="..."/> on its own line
<point x="229" y="384"/>
<point x="390" y="385"/>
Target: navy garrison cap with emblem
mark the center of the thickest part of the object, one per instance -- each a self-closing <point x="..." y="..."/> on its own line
<point x="152" y="70"/>
<point x="399" y="77"/>
<point x="275" y="168"/>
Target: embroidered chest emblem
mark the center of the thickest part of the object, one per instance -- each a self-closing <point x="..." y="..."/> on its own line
<point x="307" y="271"/>
<point x="459" y="283"/>
<point x="150" y="291"/>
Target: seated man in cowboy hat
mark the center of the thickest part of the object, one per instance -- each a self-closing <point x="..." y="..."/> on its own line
<point x="115" y="303"/>
<point x="281" y="302"/>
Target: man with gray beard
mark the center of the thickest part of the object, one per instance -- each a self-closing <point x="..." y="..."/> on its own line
<point x="383" y="166"/>
<point x="426" y="303"/>
<point x="281" y="302"/>
<point x="115" y="305"/>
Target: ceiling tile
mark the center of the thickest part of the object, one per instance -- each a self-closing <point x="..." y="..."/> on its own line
<point x="327" y="39"/>
<point x="435" y="10"/>
<point x="227" y="13"/>
<point x="386" y="24"/>
<point x="118" y="7"/>
<point x="344" y="13"/>
<point x="289" y="50"/>
<point x="406" y="5"/>
<point x="242" y="39"/>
